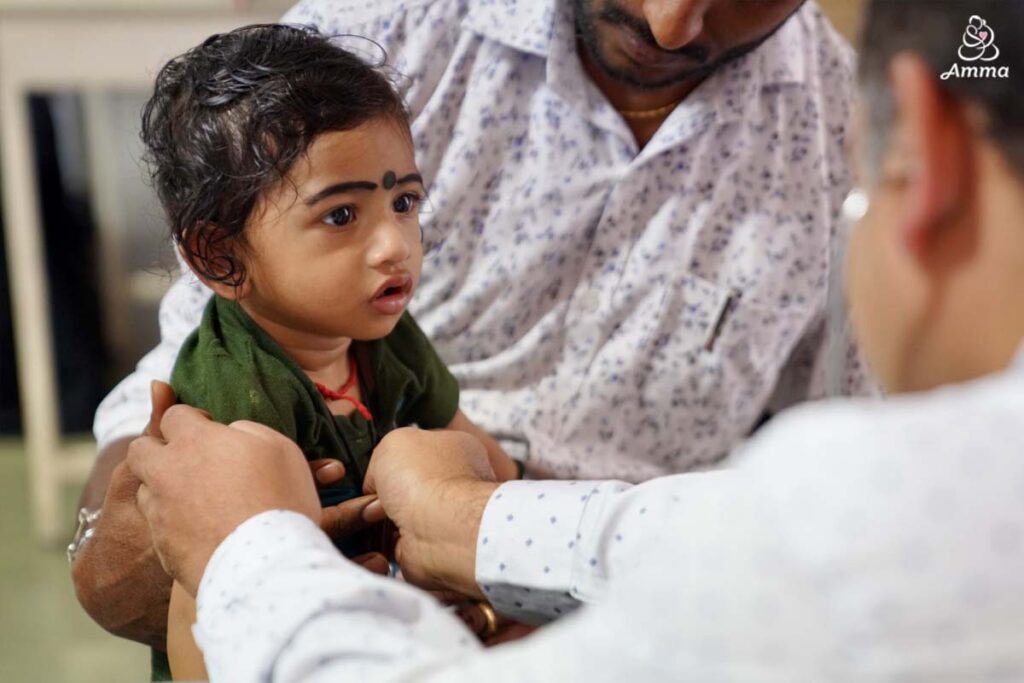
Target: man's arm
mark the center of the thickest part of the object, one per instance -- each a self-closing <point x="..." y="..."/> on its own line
<point x="117" y="575"/>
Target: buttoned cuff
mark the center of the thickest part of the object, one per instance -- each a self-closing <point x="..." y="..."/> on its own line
<point x="525" y="550"/>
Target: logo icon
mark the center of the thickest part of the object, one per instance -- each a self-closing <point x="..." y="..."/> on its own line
<point x="978" y="44"/>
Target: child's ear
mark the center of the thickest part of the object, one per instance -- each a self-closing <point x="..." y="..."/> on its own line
<point x="222" y="259"/>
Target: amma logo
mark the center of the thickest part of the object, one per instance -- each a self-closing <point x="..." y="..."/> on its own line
<point x="978" y="45"/>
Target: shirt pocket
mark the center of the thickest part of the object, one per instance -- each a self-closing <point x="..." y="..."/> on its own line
<point x="713" y="359"/>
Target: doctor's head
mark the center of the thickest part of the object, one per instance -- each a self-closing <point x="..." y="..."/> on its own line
<point x="935" y="270"/>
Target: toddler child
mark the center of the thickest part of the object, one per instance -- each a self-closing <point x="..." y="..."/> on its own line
<point x="285" y="166"/>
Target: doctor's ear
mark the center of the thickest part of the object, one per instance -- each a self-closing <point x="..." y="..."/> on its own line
<point x="218" y="260"/>
<point x="933" y="147"/>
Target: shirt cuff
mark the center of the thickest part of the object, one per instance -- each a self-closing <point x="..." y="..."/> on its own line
<point x="525" y="550"/>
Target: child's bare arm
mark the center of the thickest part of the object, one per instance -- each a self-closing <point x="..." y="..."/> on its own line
<point x="185" y="657"/>
<point x="504" y="467"/>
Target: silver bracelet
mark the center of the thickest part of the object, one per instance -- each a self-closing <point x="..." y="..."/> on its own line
<point x="86" y="527"/>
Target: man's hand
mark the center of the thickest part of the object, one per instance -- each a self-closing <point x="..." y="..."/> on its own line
<point x="205" y="479"/>
<point x="117" y="575"/>
<point x="434" y="487"/>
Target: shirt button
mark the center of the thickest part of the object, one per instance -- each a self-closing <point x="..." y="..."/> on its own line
<point x="590" y="302"/>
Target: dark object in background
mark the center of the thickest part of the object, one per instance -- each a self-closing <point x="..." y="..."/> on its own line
<point x="71" y="274"/>
<point x="10" y="416"/>
<point x="69" y="243"/>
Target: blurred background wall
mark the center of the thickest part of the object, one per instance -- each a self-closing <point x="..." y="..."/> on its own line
<point x="845" y="14"/>
<point x="107" y="263"/>
<point x="78" y="72"/>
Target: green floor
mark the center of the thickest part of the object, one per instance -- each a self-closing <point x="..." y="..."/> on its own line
<point x="44" y="634"/>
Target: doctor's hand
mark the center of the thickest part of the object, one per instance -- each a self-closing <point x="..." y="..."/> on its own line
<point x="434" y="486"/>
<point x="337" y="521"/>
<point x="203" y="479"/>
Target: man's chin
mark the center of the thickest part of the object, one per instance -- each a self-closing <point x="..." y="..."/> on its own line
<point x="646" y="79"/>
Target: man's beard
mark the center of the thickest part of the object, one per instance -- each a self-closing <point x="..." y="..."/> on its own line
<point x="609" y="13"/>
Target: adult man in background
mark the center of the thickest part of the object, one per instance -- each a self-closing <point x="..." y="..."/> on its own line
<point x="634" y="206"/>
<point x="856" y="540"/>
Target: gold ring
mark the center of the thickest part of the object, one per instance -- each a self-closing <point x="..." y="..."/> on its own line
<point x="491" y="628"/>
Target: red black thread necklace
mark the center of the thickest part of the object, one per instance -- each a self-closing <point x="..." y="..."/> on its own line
<point x="342" y="393"/>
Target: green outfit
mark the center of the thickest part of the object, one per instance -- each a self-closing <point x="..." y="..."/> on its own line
<point x="232" y="369"/>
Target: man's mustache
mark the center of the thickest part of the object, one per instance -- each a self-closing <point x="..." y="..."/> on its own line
<point x="616" y="16"/>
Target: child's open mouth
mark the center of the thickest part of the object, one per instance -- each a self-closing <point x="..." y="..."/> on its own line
<point x="394" y="295"/>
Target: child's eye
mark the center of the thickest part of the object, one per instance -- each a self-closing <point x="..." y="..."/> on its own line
<point x="343" y="215"/>
<point x="407" y="203"/>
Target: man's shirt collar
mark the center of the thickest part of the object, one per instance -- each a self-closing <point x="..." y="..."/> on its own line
<point x="526" y="26"/>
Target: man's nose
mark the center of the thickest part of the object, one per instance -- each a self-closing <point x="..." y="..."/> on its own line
<point x="675" y="23"/>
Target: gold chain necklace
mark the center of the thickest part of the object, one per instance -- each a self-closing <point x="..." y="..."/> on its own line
<point x="647" y="114"/>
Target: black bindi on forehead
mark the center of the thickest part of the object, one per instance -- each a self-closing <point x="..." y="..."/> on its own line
<point x="389" y="180"/>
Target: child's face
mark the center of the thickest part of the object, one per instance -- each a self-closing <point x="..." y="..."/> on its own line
<point x="335" y="250"/>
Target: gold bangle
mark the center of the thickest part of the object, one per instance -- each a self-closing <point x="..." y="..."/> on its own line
<point x="491" y="629"/>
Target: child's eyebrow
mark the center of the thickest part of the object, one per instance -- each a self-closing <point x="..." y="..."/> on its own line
<point x="341" y="188"/>
<point x="411" y="178"/>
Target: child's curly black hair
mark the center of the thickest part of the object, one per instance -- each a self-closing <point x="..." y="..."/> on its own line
<point x="229" y="118"/>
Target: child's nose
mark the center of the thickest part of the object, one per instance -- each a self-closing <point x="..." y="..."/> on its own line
<point x="390" y="245"/>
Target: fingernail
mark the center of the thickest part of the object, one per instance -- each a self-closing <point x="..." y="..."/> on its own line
<point x="373" y="512"/>
<point x="329" y="473"/>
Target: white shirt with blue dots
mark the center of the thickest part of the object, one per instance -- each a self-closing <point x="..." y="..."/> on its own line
<point x="849" y="541"/>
